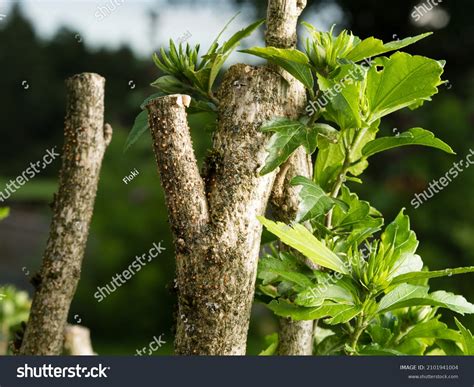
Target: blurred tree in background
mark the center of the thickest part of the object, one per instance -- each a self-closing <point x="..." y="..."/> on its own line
<point x="130" y="217"/>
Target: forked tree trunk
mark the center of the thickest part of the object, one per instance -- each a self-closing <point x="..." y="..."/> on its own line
<point x="214" y="217"/>
<point x="86" y="139"/>
<point x="295" y="337"/>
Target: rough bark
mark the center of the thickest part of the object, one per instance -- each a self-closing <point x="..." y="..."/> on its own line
<point x="217" y="239"/>
<point x="214" y="218"/>
<point x="282" y="17"/>
<point x="86" y="139"/>
<point x="295" y="337"/>
<point x="77" y="341"/>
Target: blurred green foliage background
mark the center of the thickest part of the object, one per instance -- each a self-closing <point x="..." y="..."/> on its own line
<point x="129" y="217"/>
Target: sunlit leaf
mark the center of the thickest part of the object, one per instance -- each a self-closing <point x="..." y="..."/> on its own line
<point x="403" y="81"/>
<point x="301" y="239"/>
<point x="413" y="136"/>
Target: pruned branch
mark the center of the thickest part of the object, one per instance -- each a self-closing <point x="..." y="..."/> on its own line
<point x="180" y="178"/>
<point x="86" y="139"/>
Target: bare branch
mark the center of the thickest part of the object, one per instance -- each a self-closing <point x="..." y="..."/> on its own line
<point x="83" y="151"/>
<point x="180" y="178"/>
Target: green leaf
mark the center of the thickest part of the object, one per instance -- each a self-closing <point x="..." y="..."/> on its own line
<point x="357" y="216"/>
<point x="450" y="301"/>
<point x="289" y="135"/>
<point x="290" y="59"/>
<point x="272" y="345"/>
<point x="421" y="275"/>
<point x="327" y="131"/>
<point x="284" y="267"/>
<point x="432" y="329"/>
<point x="314" y="201"/>
<point x="413" y="136"/>
<point x="397" y="297"/>
<point x="403" y="81"/>
<point x="215" y="44"/>
<point x="301" y="239"/>
<point x="331" y="345"/>
<point x="397" y="242"/>
<point x="284" y="308"/>
<point x="405" y="295"/>
<point x="407" y="263"/>
<point x="268" y="290"/>
<point x="398" y="44"/>
<point x="414" y="347"/>
<point x="371" y="47"/>
<point x="379" y="334"/>
<point x="314" y="296"/>
<point x="329" y="160"/>
<point x="198" y="106"/>
<point x="341" y="101"/>
<point x="238" y="36"/>
<point x="140" y="126"/>
<point x="344" y="315"/>
<point x="284" y="261"/>
<point x="449" y="348"/>
<point x="228" y="48"/>
<point x="331" y="156"/>
<point x="170" y="85"/>
<point x="4" y="212"/>
<point x="467" y="339"/>
<point x="340" y="312"/>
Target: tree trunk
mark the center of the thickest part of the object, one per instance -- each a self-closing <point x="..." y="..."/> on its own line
<point x="86" y="139"/>
<point x="214" y="218"/>
<point x="77" y="341"/>
<point x="295" y="337"/>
